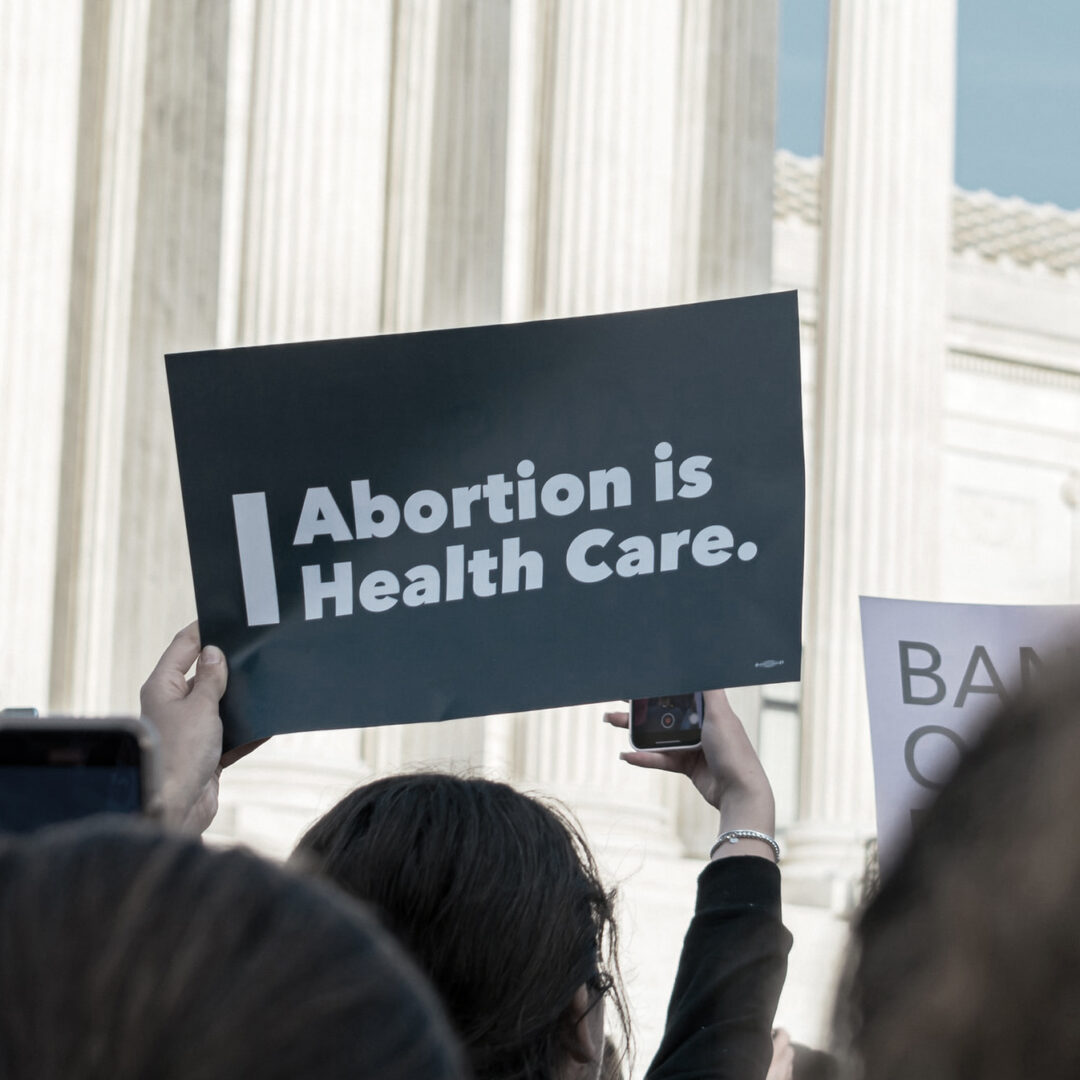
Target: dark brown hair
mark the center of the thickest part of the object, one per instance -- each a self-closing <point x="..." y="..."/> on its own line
<point x="496" y="895"/>
<point x="127" y="954"/>
<point x="967" y="961"/>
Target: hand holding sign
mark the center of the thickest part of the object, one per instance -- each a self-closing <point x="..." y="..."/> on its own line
<point x="183" y="712"/>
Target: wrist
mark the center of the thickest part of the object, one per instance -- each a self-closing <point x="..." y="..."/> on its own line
<point x="744" y="842"/>
<point x="748" y="810"/>
<point x="176" y="801"/>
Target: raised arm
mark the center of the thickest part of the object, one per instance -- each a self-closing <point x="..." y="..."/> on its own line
<point x="734" y="957"/>
<point x="726" y="771"/>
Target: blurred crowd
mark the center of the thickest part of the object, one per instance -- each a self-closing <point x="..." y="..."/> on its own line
<point x="432" y="925"/>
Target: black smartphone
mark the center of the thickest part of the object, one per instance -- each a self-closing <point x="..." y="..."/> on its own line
<point x="55" y="769"/>
<point x="666" y="723"/>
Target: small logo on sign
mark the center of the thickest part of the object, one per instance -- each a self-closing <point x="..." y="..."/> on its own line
<point x="769" y="663"/>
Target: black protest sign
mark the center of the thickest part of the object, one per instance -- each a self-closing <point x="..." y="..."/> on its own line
<point x="422" y="526"/>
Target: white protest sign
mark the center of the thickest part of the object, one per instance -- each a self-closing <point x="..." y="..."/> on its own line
<point x="934" y="674"/>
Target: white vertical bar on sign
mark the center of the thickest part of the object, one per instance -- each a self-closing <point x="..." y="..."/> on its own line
<point x="256" y="558"/>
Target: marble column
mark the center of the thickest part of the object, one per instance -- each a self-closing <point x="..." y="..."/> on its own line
<point x="144" y="282"/>
<point x="270" y="798"/>
<point x="444" y="243"/>
<point x="648" y="132"/>
<point x="1070" y="496"/>
<point x="464" y="257"/>
<point x="571" y="754"/>
<point x="725" y="122"/>
<point x="604" y="198"/>
<point x="39" y="114"/>
<point x="366" y="196"/>
<point x="305" y="195"/>
<point x="874" y="528"/>
<point x="306" y="161"/>
<point x="723" y="201"/>
<point x="446" y="166"/>
<point x="592" y="195"/>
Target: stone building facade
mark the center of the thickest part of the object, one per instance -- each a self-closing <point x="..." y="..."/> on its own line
<point x="180" y="174"/>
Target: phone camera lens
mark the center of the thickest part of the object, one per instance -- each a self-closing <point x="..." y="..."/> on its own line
<point x="667" y="720"/>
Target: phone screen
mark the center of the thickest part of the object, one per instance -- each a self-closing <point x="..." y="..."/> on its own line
<point x="48" y="776"/>
<point x="666" y="723"/>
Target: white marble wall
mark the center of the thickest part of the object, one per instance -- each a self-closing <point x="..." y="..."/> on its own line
<point x="39" y="113"/>
<point x="309" y="89"/>
<point x="176" y="174"/>
<point x="1009" y="457"/>
<point x="501" y="160"/>
<point x="885" y="238"/>
<point x="144" y="281"/>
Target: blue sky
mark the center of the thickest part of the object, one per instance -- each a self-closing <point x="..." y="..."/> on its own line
<point x="1017" y="98"/>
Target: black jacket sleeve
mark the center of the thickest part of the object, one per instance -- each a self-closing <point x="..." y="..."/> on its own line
<point x="731" y="971"/>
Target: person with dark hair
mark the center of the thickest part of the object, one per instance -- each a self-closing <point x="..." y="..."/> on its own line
<point x="128" y="954"/>
<point x="498" y="898"/>
<point x="966" y="963"/>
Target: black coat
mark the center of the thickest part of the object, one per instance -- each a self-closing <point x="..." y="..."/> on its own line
<point x="732" y="968"/>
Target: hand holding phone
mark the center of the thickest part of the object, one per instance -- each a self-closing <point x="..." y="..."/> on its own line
<point x="724" y="767"/>
<point x="672" y="722"/>
<point x="55" y="769"/>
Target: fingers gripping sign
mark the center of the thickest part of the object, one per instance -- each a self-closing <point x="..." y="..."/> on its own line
<point x="184" y="713"/>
